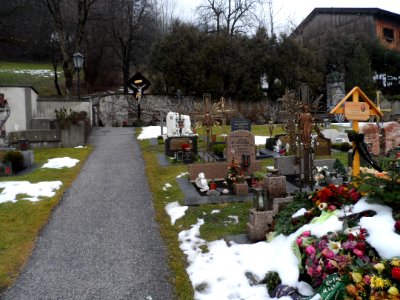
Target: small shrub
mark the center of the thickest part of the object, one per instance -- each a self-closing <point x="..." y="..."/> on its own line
<point x="345" y="147"/>
<point x="282" y="225"/>
<point x="160" y="140"/>
<point x="218" y="149"/>
<point x="17" y="160"/>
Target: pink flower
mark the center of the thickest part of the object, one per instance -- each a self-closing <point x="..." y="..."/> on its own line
<point x="310" y="250"/>
<point x="299" y="241"/>
<point x="332" y="207"/>
<point x="310" y="271"/>
<point x="358" y="252"/>
<point x="367" y="279"/>
<point x="327" y="253"/>
<point x="306" y="233"/>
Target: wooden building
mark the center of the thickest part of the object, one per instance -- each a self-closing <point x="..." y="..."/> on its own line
<point x="372" y="22"/>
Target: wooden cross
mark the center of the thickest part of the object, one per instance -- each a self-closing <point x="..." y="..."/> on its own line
<point x="224" y="110"/>
<point x="205" y="115"/>
<point x="356" y="111"/>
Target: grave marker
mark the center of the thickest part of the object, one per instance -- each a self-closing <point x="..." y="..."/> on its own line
<point x="239" y="143"/>
<point x="352" y="115"/>
<point x="240" y="124"/>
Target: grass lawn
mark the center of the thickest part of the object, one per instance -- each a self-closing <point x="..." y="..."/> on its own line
<point x="21" y="222"/>
<point x="37" y="75"/>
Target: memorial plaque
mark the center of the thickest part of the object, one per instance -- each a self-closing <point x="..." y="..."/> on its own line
<point x="322" y="146"/>
<point x="240" y="142"/>
<point x="240" y="124"/>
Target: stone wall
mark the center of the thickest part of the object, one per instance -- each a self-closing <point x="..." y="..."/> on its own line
<point x="70" y="136"/>
<point x="114" y="109"/>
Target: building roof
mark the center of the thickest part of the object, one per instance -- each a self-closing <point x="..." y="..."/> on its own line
<point x="347" y="10"/>
<point x="20" y="86"/>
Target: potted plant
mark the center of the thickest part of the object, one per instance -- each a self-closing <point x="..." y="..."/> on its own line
<point x="257" y="178"/>
<point x="235" y="179"/>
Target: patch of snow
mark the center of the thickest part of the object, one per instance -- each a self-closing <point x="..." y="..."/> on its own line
<point x="59" y="163"/>
<point x="34" y="190"/>
<point x="175" y="211"/>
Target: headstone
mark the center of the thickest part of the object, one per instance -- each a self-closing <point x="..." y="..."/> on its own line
<point x="176" y="144"/>
<point x="371" y="136"/>
<point x="335" y="87"/>
<point x="240" y="124"/>
<point x="391" y="136"/>
<point x="322" y="146"/>
<point x="276" y="186"/>
<point x="240" y="142"/>
<point x="173" y="125"/>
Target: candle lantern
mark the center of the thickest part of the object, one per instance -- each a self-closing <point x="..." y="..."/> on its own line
<point x="245" y="161"/>
<point x="213" y="185"/>
<point x="259" y="199"/>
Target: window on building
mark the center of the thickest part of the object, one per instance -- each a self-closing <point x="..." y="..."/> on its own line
<point x="388" y="34"/>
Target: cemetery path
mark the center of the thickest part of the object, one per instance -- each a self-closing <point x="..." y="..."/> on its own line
<point x="102" y="241"/>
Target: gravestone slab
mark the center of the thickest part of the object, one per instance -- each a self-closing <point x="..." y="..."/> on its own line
<point x="174" y="144"/>
<point x="240" y="142"/>
<point x="391" y="136"/>
<point x="276" y="186"/>
<point x="240" y="124"/>
<point x="371" y="136"/>
<point x="322" y="146"/>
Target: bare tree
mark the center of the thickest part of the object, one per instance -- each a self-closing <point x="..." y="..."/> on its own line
<point x="129" y="30"/>
<point x="228" y="16"/>
<point x="69" y="19"/>
<point x="166" y="13"/>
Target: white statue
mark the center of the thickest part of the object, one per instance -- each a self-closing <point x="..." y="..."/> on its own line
<point x="173" y="125"/>
<point x="202" y="183"/>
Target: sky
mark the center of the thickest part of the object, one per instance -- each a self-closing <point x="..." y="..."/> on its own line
<point x="297" y="10"/>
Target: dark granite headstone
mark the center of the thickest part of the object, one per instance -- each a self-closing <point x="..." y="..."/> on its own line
<point x="240" y="124"/>
<point x="175" y="144"/>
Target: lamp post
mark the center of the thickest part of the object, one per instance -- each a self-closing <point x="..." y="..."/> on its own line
<point x="78" y="59"/>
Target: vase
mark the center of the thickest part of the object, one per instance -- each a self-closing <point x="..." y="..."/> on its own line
<point x="240" y="188"/>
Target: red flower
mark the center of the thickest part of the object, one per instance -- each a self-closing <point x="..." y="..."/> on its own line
<point x="396" y="273"/>
<point x="397" y="226"/>
<point x="360" y="246"/>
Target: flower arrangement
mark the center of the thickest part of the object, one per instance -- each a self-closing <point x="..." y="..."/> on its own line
<point x="332" y="197"/>
<point x="234" y="174"/>
<point x="347" y="254"/>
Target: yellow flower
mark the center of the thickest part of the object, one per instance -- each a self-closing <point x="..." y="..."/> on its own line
<point x="322" y="206"/>
<point x="357" y="277"/>
<point x="379" y="267"/>
<point x="395" y="262"/>
<point x="393" y="291"/>
<point x="379" y="283"/>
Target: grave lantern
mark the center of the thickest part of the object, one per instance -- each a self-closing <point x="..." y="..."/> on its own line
<point x="259" y="201"/>
<point x="245" y="161"/>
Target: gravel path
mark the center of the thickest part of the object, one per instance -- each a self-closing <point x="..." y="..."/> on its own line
<point x="102" y="241"/>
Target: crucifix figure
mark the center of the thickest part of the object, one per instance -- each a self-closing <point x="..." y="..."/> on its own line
<point x="206" y="115"/>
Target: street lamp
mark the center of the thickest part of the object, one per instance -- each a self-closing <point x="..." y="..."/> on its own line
<point x="78" y="63"/>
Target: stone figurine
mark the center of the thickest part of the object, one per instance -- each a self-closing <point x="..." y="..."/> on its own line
<point x="201" y="182"/>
